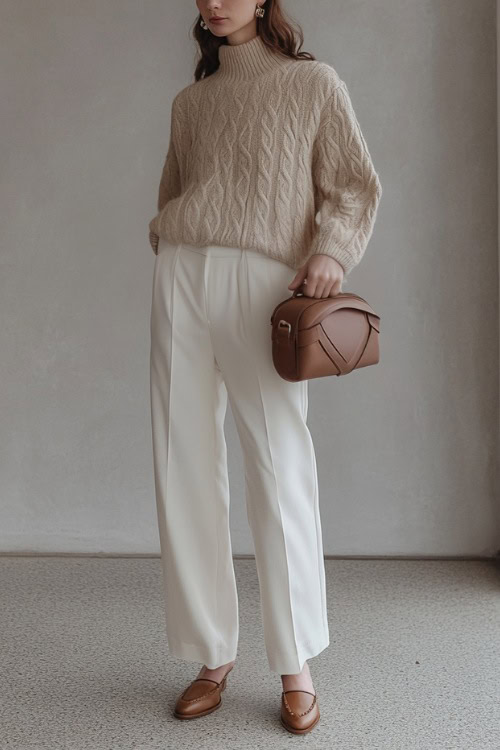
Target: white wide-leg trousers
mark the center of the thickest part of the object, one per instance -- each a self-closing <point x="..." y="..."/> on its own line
<point x="210" y="340"/>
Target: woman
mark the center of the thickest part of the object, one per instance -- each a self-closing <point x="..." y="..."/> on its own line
<point x="262" y="141"/>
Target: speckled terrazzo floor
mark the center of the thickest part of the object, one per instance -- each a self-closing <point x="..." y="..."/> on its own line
<point x="413" y="661"/>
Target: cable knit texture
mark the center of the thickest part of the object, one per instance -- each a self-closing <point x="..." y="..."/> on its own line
<point x="267" y="154"/>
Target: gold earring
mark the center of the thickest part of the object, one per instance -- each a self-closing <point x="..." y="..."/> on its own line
<point x="259" y="12"/>
<point x="203" y="24"/>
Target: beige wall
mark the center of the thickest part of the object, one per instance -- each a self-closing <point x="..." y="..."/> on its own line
<point x="407" y="451"/>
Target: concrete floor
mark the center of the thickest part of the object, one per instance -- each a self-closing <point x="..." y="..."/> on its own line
<point x="413" y="661"/>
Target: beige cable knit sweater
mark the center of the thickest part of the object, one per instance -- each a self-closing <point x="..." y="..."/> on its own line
<point x="266" y="153"/>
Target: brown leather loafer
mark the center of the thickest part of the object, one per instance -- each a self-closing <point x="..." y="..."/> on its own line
<point x="299" y="712"/>
<point x="201" y="697"/>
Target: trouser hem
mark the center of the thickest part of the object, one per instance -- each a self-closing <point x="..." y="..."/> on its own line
<point x="195" y="652"/>
<point x="293" y="661"/>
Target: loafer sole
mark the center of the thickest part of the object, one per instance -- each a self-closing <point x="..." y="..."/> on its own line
<point x="201" y="713"/>
<point x="300" y="731"/>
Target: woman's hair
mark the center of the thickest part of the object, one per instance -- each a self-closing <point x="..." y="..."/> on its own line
<point x="276" y="31"/>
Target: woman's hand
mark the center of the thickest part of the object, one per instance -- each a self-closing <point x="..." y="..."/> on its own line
<point x="322" y="276"/>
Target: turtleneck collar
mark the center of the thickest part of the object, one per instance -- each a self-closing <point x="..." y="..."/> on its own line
<point x="247" y="60"/>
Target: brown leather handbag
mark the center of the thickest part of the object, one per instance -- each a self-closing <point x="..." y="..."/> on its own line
<point x="313" y="338"/>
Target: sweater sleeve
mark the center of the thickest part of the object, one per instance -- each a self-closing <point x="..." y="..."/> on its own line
<point x="170" y="182"/>
<point x="347" y="188"/>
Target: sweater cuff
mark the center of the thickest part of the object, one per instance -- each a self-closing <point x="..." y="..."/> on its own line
<point x="154" y="241"/>
<point x="325" y="245"/>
